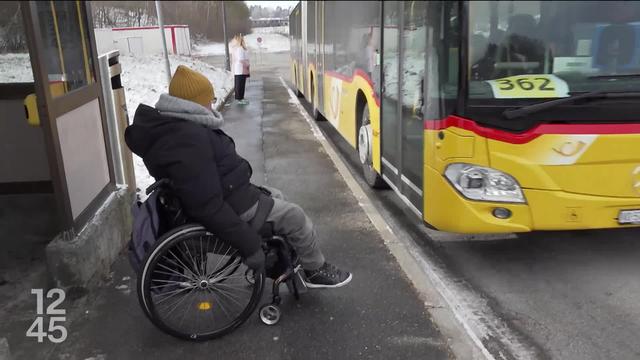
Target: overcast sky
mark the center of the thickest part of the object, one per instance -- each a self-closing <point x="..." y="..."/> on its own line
<point x="273" y="4"/>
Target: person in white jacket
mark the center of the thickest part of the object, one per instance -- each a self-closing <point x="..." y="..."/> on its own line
<point x="240" y="66"/>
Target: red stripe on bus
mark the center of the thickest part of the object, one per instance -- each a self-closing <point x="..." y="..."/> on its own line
<point x="529" y="135"/>
<point x="357" y="72"/>
<point x="173" y="41"/>
<point x="148" y="27"/>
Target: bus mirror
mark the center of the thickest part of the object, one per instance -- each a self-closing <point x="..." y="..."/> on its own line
<point x="31" y="108"/>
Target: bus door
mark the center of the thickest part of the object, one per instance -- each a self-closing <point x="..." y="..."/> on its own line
<point x="319" y="39"/>
<point x="403" y="58"/>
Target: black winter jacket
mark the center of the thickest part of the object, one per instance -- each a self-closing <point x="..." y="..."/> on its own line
<point x="210" y="178"/>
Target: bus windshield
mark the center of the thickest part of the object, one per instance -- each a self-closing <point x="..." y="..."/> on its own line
<point x="552" y="49"/>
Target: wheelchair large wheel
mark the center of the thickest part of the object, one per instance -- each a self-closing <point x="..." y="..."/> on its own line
<point x="193" y="285"/>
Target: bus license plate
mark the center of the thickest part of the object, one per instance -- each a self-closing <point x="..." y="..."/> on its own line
<point x="629" y="217"/>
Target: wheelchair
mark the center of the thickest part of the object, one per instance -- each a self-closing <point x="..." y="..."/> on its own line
<point x="194" y="286"/>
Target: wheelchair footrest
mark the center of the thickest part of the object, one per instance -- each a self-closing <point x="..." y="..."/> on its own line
<point x="298" y="278"/>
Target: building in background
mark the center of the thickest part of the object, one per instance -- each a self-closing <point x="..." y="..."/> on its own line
<point x="269" y="22"/>
<point x="144" y="40"/>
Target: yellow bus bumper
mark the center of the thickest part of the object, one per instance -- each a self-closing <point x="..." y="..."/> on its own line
<point x="447" y="210"/>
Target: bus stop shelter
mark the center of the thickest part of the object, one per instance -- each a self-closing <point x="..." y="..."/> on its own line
<point x="60" y="195"/>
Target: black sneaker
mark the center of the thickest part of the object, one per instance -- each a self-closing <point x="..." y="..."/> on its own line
<point x="327" y="276"/>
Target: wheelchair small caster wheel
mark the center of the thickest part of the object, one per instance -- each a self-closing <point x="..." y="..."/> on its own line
<point x="270" y="314"/>
<point x="250" y="276"/>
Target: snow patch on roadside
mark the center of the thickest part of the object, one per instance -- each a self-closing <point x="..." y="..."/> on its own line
<point x="208" y="49"/>
<point x="144" y="78"/>
<point x="271" y="42"/>
<point x="143" y="178"/>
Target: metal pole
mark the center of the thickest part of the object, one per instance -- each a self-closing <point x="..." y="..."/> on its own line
<point x="226" y="40"/>
<point x="164" y="41"/>
<point x="110" y="111"/>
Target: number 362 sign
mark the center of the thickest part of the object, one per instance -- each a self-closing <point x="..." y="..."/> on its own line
<point x="529" y="86"/>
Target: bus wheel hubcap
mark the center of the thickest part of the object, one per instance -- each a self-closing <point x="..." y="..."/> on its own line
<point x="364" y="144"/>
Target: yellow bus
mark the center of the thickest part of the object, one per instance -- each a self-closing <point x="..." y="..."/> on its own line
<point x="483" y="116"/>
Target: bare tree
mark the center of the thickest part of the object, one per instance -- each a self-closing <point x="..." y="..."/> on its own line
<point x="210" y="25"/>
<point x="123" y="13"/>
<point x="12" y="36"/>
<point x="203" y="17"/>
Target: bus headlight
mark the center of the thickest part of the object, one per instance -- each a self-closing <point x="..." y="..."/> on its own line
<point x="483" y="183"/>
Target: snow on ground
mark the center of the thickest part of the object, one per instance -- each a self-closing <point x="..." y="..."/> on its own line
<point x="271" y="42"/>
<point x="144" y="80"/>
<point x="15" y="68"/>
<point x="208" y="49"/>
<point x="143" y="179"/>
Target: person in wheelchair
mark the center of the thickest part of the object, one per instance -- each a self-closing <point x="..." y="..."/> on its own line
<point x="181" y="140"/>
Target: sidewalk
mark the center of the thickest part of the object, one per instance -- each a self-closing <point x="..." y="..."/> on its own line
<point x="378" y="316"/>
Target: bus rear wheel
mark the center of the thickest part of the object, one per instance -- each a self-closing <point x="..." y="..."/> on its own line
<point x="314" y="107"/>
<point x="295" y="79"/>
<point x="365" y="146"/>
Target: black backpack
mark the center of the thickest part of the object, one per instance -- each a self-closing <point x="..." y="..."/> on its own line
<point x="153" y="217"/>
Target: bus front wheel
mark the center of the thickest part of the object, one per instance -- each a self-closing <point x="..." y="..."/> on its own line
<point x="365" y="146"/>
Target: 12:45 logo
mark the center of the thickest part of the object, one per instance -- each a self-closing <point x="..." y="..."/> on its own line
<point x="56" y="332"/>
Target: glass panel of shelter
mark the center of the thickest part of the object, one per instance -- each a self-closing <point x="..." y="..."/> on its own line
<point x="63" y="28"/>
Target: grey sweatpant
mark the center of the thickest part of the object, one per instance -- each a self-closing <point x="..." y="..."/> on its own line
<point x="290" y="222"/>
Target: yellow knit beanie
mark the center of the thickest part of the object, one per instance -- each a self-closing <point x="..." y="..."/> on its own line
<point x="191" y="85"/>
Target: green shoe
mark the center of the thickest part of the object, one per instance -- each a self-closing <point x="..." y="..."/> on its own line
<point x="243" y="102"/>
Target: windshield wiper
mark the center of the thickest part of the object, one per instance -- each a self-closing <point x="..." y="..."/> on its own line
<point x="613" y="76"/>
<point x="593" y="95"/>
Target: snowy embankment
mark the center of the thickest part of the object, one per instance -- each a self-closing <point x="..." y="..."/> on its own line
<point x="144" y="79"/>
<point x="271" y="42"/>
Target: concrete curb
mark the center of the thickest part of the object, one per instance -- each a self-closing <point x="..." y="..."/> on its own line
<point x="75" y="261"/>
<point x="226" y="99"/>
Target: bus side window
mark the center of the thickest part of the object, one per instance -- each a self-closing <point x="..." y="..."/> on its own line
<point x="443" y="43"/>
